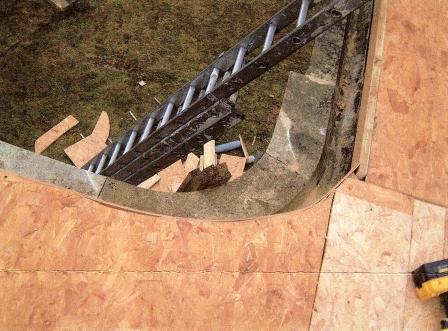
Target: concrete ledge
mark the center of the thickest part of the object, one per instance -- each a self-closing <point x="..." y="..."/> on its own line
<point x="47" y="170"/>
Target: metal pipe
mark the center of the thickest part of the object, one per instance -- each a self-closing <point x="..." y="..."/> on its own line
<point x="188" y="98"/>
<point x="91" y="165"/>
<point x="147" y="129"/>
<point x="239" y="60"/>
<point x="303" y="12"/>
<point x="250" y="159"/>
<point x="166" y="115"/>
<point x="130" y="142"/>
<point x="212" y="81"/>
<point x="230" y="146"/>
<point x="101" y="164"/>
<point x="269" y="36"/>
<point x="114" y="154"/>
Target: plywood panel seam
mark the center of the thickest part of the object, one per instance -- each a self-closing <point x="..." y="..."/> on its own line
<point x="236" y="271"/>
<point x="369" y="101"/>
<point x="404" y="193"/>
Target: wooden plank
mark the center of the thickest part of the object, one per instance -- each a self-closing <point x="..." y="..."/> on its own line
<point x="201" y="162"/>
<point x="33" y="236"/>
<point x="261" y="273"/>
<point x="54" y="134"/>
<point x="84" y="150"/>
<point x="378" y="195"/>
<point x="421" y="315"/>
<point x="410" y="150"/>
<point x="173" y="174"/>
<point x="155" y="300"/>
<point x="428" y="234"/>
<point x="150" y="182"/>
<point x="191" y="163"/>
<point x="209" y="154"/>
<point x="235" y="164"/>
<point x="364" y="237"/>
<point x="351" y="301"/>
<point x="445" y="255"/>
<point x="366" y="120"/>
<point x="427" y="244"/>
<point x="243" y="146"/>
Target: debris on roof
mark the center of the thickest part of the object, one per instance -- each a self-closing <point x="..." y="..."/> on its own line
<point x="54" y="134"/>
<point x="84" y="150"/>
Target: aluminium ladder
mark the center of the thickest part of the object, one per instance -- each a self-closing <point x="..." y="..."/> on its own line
<point x="202" y="109"/>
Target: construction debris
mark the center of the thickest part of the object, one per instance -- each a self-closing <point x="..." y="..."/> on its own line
<point x="133" y="116"/>
<point x="199" y="173"/>
<point x="147" y="184"/>
<point x="243" y="146"/>
<point x="210" y="158"/>
<point x="235" y="164"/>
<point x="60" y="4"/>
<point x="54" y="134"/>
<point x="173" y="174"/>
<point x="210" y="177"/>
<point x="191" y="163"/>
<point x="84" y="150"/>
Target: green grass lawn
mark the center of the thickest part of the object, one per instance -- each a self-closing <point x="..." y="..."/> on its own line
<point x="92" y="61"/>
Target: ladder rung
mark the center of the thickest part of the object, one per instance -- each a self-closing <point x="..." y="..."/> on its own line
<point x="114" y="154"/>
<point x="166" y="115"/>
<point x="147" y="130"/>
<point x="130" y="142"/>
<point x="239" y="60"/>
<point x="303" y="12"/>
<point x="101" y="164"/>
<point x="212" y="81"/>
<point x="237" y="67"/>
<point x="269" y="36"/>
<point x="188" y="98"/>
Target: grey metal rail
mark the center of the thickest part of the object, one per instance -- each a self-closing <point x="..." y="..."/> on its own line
<point x="205" y="105"/>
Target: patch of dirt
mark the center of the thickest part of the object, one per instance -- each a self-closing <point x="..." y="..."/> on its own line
<point x="92" y="61"/>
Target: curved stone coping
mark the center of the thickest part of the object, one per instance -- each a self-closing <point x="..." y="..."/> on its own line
<point x="284" y="170"/>
<point x="267" y="187"/>
<point x="273" y="182"/>
<point x="44" y="169"/>
<point x="264" y="189"/>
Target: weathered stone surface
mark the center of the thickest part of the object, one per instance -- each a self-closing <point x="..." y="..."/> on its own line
<point x="301" y="127"/>
<point x="250" y="195"/>
<point x="44" y="169"/>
